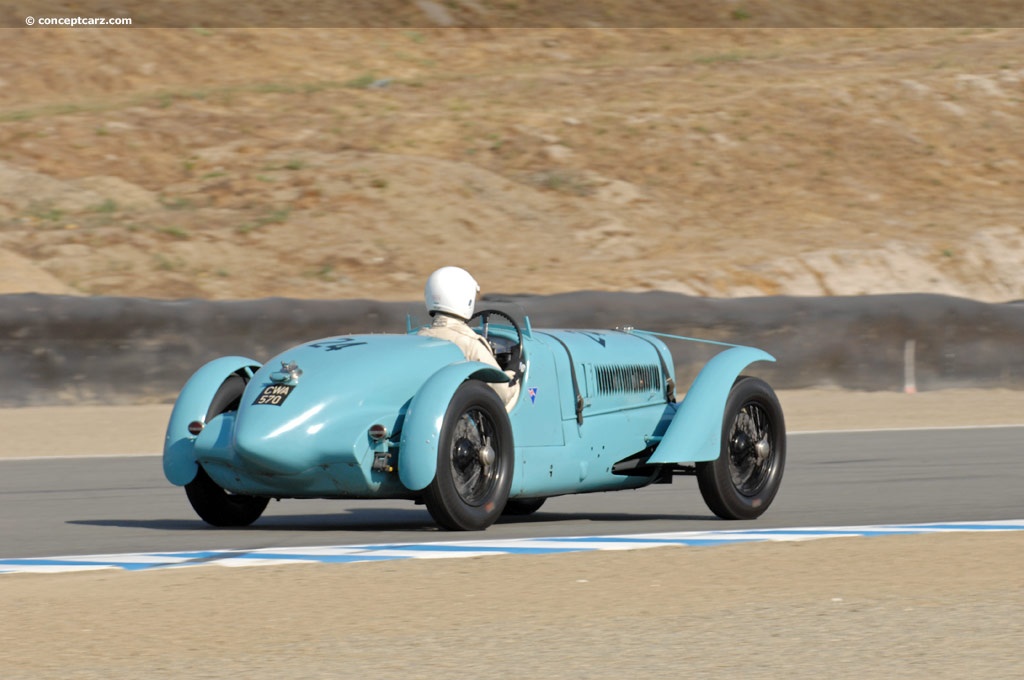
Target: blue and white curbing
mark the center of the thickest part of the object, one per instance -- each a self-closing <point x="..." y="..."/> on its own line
<point x="515" y="546"/>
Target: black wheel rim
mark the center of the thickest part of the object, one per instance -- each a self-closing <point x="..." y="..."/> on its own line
<point x="752" y="450"/>
<point x="474" y="457"/>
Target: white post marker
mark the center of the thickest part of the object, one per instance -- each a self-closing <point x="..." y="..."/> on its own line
<point x="909" y="379"/>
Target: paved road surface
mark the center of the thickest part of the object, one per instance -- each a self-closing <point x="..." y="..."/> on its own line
<point x="68" y="506"/>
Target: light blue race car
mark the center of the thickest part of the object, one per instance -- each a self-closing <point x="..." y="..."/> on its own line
<point x="407" y="416"/>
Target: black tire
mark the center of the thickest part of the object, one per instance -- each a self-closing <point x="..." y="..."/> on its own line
<point x="521" y="507"/>
<point x="219" y="508"/>
<point x="742" y="482"/>
<point x="213" y="504"/>
<point x="468" y="493"/>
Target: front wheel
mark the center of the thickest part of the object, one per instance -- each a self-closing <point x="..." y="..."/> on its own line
<point x="742" y="482"/>
<point x="474" y="461"/>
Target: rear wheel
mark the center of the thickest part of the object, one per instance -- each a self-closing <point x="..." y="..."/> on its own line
<point x="218" y="507"/>
<point x="474" y="461"/>
<point x="742" y="482"/>
<point x="213" y="504"/>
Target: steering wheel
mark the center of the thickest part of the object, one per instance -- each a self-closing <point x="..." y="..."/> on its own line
<point x="516" y="365"/>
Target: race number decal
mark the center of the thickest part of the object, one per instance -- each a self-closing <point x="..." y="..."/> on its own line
<point x="273" y="395"/>
<point x="335" y="345"/>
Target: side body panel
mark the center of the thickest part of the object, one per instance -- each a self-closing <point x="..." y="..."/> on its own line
<point x="584" y="463"/>
<point x="620" y="387"/>
<point x="537" y="417"/>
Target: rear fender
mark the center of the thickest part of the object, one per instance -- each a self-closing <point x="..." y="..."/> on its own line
<point x="192" y="404"/>
<point x="696" y="429"/>
<point x="417" y="453"/>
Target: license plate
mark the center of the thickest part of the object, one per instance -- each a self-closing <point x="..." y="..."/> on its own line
<point x="273" y="395"/>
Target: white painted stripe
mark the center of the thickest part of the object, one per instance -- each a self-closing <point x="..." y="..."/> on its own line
<point x="909" y="429"/>
<point x="53" y="569"/>
<point x="82" y="457"/>
<point x="453" y="549"/>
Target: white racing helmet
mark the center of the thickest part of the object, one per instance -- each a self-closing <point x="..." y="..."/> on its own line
<point x="452" y="290"/>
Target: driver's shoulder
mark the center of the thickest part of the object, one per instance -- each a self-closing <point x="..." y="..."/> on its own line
<point x="463" y="329"/>
<point x="460" y="334"/>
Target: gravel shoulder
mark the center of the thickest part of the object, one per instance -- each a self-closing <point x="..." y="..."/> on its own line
<point x="934" y="606"/>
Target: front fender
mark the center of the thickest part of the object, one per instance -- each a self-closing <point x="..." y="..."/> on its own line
<point x="417" y="453"/>
<point x="696" y="429"/>
<point x="192" y="404"/>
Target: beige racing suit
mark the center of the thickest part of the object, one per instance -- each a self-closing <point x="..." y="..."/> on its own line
<point x="474" y="347"/>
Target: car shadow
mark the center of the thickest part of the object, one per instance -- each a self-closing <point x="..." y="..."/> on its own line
<point x="379" y="520"/>
<point x="541" y="516"/>
<point x="383" y="519"/>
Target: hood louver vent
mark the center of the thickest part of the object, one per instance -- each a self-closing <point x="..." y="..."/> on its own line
<point x="627" y="378"/>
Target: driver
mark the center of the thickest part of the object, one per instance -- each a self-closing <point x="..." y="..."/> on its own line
<point x="450" y="296"/>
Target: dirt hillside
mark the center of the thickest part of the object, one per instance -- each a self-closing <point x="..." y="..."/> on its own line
<point x="328" y="163"/>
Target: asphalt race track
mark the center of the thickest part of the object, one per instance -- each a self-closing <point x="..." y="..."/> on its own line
<point x="80" y="506"/>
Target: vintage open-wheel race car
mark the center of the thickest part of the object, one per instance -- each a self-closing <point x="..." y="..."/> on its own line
<point x="406" y="416"/>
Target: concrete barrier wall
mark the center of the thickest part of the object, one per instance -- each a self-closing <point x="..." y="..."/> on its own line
<point x="62" y="350"/>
